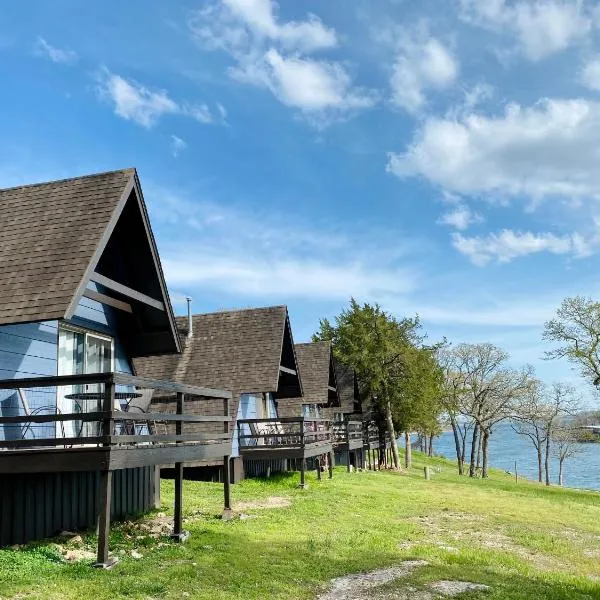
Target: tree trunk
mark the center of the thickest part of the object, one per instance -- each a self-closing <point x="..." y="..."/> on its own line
<point x="463" y="451"/>
<point x="474" y="443"/>
<point x="560" y="470"/>
<point x="390" y="428"/>
<point x="408" y="450"/>
<point x="539" y="457"/>
<point x="479" y="450"/>
<point x="485" y="438"/>
<point x="430" y="447"/>
<point x="457" y="445"/>
<point x="547" y="459"/>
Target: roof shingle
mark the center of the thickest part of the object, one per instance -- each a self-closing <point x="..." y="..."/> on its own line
<point x="50" y="233"/>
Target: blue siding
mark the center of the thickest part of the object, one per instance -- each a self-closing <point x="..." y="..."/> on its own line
<point x="101" y="318"/>
<point x="28" y="350"/>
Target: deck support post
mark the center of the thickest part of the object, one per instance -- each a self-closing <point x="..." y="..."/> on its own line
<point x="157" y="501"/>
<point x="319" y="468"/>
<point x="302" y="473"/>
<point x="179" y="534"/>
<point x="348" y="465"/>
<point x="331" y="464"/>
<point x="226" y="468"/>
<point x="106" y="478"/>
<point x="102" y="559"/>
<point x="369" y="457"/>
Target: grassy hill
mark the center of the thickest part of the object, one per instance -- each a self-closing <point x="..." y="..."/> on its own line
<point x="524" y="541"/>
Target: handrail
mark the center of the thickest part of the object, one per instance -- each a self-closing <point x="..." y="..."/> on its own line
<point x="108" y="424"/>
<point x="118" y="378"/>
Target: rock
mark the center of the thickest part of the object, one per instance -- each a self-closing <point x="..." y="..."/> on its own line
<point x="16" y="546"/>
<point x="135" y="554"/>
<point x="75" y="541"/>
<point x="454" y="588"/>
<point x="67" y="534"/>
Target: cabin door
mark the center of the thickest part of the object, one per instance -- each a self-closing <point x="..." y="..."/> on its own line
<point x="81" y="352"/>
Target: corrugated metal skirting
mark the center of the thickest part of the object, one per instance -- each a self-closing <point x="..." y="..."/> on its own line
<point x="260" y="468"/>
<point x="39" y="505"/>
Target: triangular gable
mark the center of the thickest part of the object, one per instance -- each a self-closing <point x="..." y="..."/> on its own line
<point x="290" y="382"/>
<point x="125" y="272"/>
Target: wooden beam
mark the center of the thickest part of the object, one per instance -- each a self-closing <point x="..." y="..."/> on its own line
<point x="105" y="492"/>
<point x="115" y="286"/>
<point x="109" y="300"/>
<point x="286" y="370"/>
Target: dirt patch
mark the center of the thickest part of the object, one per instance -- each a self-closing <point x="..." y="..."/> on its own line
<point x="362" y="586"/>
<point x="270" y="502"/>
<point x="446" y="527"/>
<point x="454" y="588"/>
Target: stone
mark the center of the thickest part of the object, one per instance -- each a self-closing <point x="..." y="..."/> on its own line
<point x="135" y="554"/>
<point x="454" y="588"/>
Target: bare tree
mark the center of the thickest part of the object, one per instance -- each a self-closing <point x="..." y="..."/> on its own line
<point x="528" y="421"/>
<point x="453" y="388"/>
<point x="492" y="389"/>
<point x="576" y="330"/>
<point x="539" y="413"/>
<point x="566" y="445"/>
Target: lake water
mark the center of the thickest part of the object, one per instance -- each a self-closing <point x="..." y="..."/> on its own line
<point x="581" y="471"/>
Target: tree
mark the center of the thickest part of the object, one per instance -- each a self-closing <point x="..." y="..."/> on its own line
<point x="566" y="445"/>
<point x="491" y="392"/>
<point x="452" y="390"/>
<point x="418" y="406"/>
<point x="376" y="345"/>
<point x="576" y="330"/>
<point x="538" y="415"/>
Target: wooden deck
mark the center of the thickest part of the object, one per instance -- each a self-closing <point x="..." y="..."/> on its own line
<point x="287" y="438"/>
<point x="114" y="428"/>
<point x="347" y="435"/>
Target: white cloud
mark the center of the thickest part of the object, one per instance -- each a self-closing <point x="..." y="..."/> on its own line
<point x="547" y="150"/>
<point x="590" y="74"/>
<point x="235" y="25"/>
<point x="272" y="54"/>
<point x="311" y="261"/>
<point x="44" y="49"/>
<point x="508" y="245"/>
<point x="135" y="102"/>
<point x="460" y="218"/>
<point x="177" y="145"/>
<point x="541" y="27"/>
<point x="317" y="88"/>
<point x="420" y="66"/>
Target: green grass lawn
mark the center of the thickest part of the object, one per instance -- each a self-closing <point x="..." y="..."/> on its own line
<point x="525" y="541"/>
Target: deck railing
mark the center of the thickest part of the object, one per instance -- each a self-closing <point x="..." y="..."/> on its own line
<point x="107" y="410"/>
<point x="345" y="432"/>
<point x="285" y="432"/>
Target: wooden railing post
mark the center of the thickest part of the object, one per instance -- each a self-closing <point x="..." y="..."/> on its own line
<point x="106" y="476"/>
<point x="347" y="423"/>
<point x="178" y="533"/>
<point x="226" y="467"/>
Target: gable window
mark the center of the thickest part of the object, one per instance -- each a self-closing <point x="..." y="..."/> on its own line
<point x="310" y="411"/>
<point x="80" y="352"/>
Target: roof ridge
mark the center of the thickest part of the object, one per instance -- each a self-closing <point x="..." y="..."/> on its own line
<point x="233" y="310"/>
<point x="130" y="170"/>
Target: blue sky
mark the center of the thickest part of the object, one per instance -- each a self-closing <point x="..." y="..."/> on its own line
<point x="440" y="158"/>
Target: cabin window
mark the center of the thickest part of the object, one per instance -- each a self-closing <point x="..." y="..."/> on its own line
<point x="310" y="411"/>
<point x="338" y="417"/>
<point x="79" y="352"/>
<point x="267" y="406"/>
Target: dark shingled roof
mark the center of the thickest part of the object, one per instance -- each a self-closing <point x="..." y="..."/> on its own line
<point x="315" y="364"/>
<point x="234" y="350"/>
<point x="347" y="387"/>
<point x="50" y="232"/>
